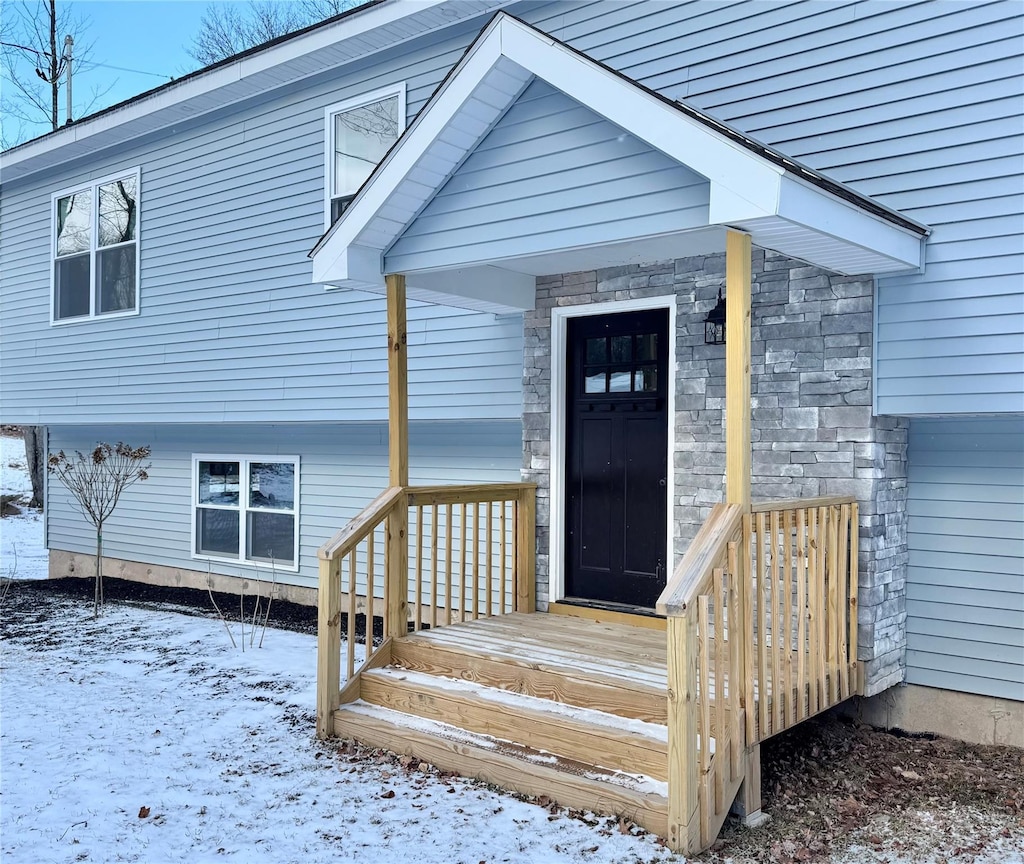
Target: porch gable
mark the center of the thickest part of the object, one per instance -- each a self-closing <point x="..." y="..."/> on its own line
<point x="782" y="205"/>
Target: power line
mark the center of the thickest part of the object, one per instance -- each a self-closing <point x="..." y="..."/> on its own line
<point x="88" y="62"/>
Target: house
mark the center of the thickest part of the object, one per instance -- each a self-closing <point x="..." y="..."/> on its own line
<point x="564" y="195"/>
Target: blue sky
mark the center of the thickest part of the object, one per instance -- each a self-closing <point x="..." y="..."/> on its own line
<point x="149" y="36"/>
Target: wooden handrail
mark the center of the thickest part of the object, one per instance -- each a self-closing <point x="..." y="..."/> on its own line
<point x="348" y="537"/>
<point x="694" y="572"/>
<point x="799" y="503"/>
<point x="474" y="494"/>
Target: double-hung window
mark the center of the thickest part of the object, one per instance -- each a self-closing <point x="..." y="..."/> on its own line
<point x="246" y="509"/>
<point x="96" y="249"/>
<point x="359" y="133"/>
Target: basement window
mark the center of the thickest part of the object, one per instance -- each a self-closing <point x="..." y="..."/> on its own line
<point x="359" y="132"/>
<point x="96" y="250"/>
<point x="245" y="509"/>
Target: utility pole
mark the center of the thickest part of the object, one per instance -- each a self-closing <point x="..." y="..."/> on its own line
<point x="69" y="44"/>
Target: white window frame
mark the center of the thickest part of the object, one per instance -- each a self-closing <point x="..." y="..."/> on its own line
<point x="92" y="187"/>
<point x="244" y="461"/>
<point x="340" y="108"/>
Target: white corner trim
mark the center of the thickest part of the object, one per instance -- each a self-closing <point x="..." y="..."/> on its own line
<point x="559" y="328"/>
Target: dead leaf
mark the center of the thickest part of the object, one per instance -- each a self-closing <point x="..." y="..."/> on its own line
<point x="390" y="793"/>
<point x="143" y="812"/>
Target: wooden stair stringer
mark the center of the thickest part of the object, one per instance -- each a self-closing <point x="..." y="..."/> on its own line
<point x="494" y="668"/>
<point x="508" y="765"/>
<point x="570" y="731"/>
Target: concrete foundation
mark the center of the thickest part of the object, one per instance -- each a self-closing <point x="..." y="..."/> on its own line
<point x="967" y="716"/>
<point x="64" y="564"/>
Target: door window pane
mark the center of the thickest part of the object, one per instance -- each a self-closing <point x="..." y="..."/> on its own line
<point x="272" y="485"/>
<point x="647" y="346"/>
<point x="620" y="382"/>
<point x="622" y="349"/>
<point x="597" y="350"/>
<point x="594" y="383"/>
<point x="646" y="379"/>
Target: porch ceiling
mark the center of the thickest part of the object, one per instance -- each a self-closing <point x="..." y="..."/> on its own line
<point x="782" y="205"/>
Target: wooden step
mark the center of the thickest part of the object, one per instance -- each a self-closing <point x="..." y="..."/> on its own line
<point x="582" y="734"/>
<point x="510" y="766"/>
<point x="554" y="676"/>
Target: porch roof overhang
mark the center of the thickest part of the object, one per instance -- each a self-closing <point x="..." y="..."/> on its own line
<point x="783" y="205"/>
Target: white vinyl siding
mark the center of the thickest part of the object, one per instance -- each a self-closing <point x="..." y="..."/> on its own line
<point x="965" y="580"/>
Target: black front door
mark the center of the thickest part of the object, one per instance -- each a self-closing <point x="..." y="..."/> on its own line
<point x="616" y="466"/>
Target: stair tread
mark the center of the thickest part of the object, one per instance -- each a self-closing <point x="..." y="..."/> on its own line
<point x="654" y="792"/>
<point x="524" y="703"/>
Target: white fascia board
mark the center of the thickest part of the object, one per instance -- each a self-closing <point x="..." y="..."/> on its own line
<point x="803" y="204"/>
<point x="400" y="161"/>
<point x="723" y="162"/>
<point x="356" y="25"/>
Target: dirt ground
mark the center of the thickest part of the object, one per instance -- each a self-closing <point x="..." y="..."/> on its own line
<point x="835" y="790"/>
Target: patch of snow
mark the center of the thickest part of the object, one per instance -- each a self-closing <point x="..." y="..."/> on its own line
<point x="22" y="555"/>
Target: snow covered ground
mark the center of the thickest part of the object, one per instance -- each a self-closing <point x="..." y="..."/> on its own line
<point x="21" y="537"/>
<point x="144" y="736"/>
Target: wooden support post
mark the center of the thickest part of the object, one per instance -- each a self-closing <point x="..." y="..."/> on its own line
<point x="737" y="368"/>
<point x="683" y="824"/>
<point x="526" y="551"/>
<point x="748" y="801"/>
<point x="328" y="647"/>
<point x="396" y="593"/>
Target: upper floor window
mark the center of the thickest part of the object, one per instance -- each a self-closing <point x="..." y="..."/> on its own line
<point x="359" y="133"/>
<point x="95" y="249"/>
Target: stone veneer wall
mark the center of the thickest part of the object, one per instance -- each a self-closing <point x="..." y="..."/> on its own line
<point x="812" y="427"/>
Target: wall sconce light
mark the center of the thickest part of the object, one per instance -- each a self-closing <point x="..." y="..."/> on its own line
<point x="714" y="324"/>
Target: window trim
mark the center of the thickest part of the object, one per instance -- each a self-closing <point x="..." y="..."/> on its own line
<point x="244" y="461"/>
<point x="330" y="111"/>
<point x="92" y="187"/>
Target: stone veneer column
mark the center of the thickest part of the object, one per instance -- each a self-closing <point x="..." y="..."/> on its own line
<point x="813" y="430"/>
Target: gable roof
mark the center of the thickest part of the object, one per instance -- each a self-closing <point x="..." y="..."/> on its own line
<point x="784" y="205"/>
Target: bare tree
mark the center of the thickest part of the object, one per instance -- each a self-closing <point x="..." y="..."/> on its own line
<point x="229" y="28"/>
<point x="96" y="480"/>
<point x="34" y="65"/>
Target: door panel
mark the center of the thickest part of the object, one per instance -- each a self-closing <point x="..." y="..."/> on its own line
<point x="616" y="463"/>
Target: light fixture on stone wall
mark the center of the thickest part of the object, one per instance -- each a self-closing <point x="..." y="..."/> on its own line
<point x="714" y="324"/>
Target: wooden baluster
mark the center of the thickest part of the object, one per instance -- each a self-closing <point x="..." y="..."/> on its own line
<point x="433" y="567"/>
<point x="418" y="611"/>
<point x="721" y="648"/>
<point x="476" y="560"/>
<point x="488" y="555"/>
<point x="854" y="563"/>
<point x="352" y="591"/>
<point x="703" y="691"/>
<point x="525" y="551"/>
<point x="502" y="552"/>
<point x="801" y="615"/>
<point x="735" y="642"/>
<point x="813" y="611"/>
<point x="462" y="565"/>
<point x="448" y="565"/>
<point x="763" y="689"/>
<point x="842" y="592"/>
<point x="778" y="636"/>
<point x="824" y="551"/>
<point x="747" y="587"/>
<point x="787" y="599"/>
<point x="368" y="636"/>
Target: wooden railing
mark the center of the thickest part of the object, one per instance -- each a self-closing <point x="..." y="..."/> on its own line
<point x="438" y="553"/>
<point x="762" y="633"/>
<point x="704" y="605"/>
<point x="803" y="624"/>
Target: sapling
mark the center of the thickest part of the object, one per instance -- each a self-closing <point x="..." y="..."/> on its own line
<point x="96" y="480"/>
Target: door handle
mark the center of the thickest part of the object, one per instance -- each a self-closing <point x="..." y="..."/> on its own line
<point x="663" y="482"/>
